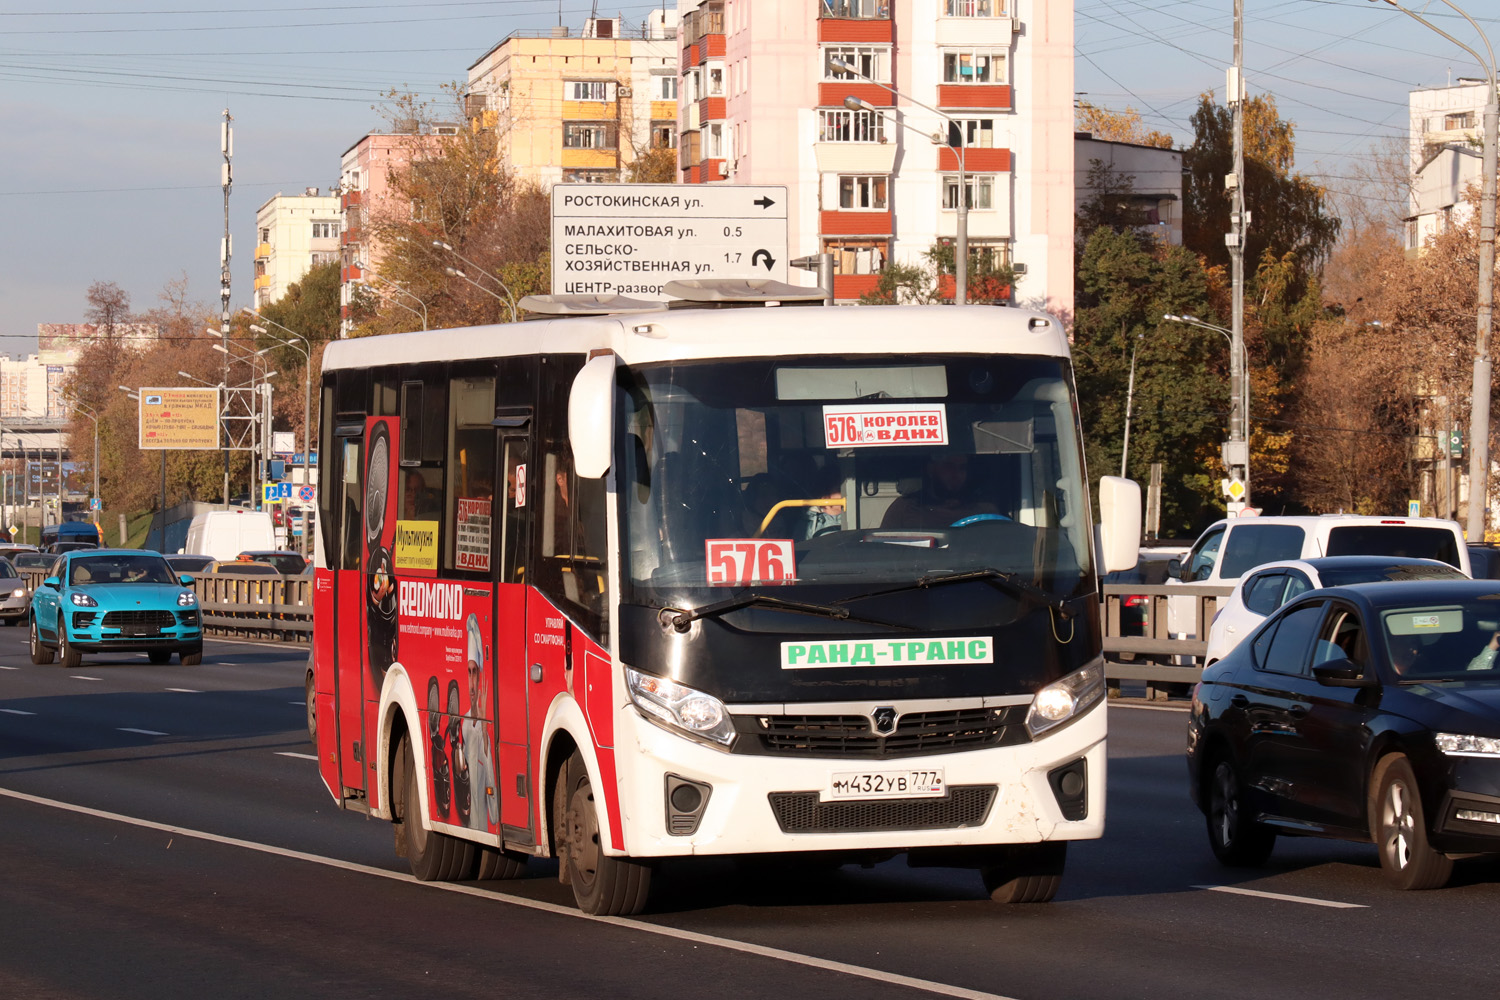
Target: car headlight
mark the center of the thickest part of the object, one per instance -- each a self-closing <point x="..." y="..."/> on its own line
<point x="1065" y="700"/>
<point x="680" y="706"/>
<point x="186" y="599"/>
<point x="18" y="592"/>
<point x="82" y="600"/>
<point x="1464" y="745"/>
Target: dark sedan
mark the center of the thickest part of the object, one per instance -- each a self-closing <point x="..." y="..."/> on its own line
<point x="1367" y="713"/>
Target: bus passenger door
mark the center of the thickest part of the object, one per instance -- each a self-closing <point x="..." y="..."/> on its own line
<point x="513" y="681"/>
<point x="348" y="622"/>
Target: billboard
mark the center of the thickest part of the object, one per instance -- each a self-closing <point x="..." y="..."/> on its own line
<point x="179" y="418"/>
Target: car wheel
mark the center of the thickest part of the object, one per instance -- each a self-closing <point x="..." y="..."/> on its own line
<point x="433" y="856"/>
<point x="40" y="654"/>
<point x="159" y="656"/>
<point x="1400" y="828"/>
<point x="1026" y="873"/>
<point x="312" y="707"/>
<point x="70" y="657"/>
<point x="1238" y="841"/>
<point x="191" y="659"/>
<point x="602" y="885"/>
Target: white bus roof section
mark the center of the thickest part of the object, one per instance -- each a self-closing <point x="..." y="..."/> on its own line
<point x="697" y="334"/>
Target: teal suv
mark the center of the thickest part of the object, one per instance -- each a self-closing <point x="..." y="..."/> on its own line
<point x="115" y="600"/>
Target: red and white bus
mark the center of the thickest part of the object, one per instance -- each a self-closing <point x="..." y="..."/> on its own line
<point x="772" y="580"/>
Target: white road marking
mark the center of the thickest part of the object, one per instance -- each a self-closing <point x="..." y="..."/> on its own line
<point x="80" y="677"/>
<point x="299" y="756"/>
<point x="640" y="926"/>
<point x="3" y="667"/>
<point x="1149" y="708"/>
<point x="302" y="703"/>
<point x="15" y="711"/>
<point x="142" y="732"/>
<point x="184" y="691"/>
<point x="1331" y="904"/>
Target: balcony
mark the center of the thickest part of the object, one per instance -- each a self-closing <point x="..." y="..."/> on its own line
<point x="263" y="251"/>
<point x="856" y="10"/>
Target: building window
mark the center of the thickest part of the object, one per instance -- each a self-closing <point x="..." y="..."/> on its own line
<point x="974" y="66"/>
<point x="324" y="257"/>
<point x="1461" y="119"/>
<point x="715" y="142"/>
<point x="716" y="81"/>
<point x="589" y="90"/>
<point x="852" y="126"/>
<point x="663" y="135"/>
<point x="862" y="192"/>
<point x="975" y="133"/>
<point x="325" y="230"/>
<point x="858" y="256"/>
<point x="590" y="176"/>
<point x="981" y="191"/>
<point x="857" y="8"/>
<point x="693" y="81"/>
<point x="871" y="61"/>
<point x="588" y="135"/>
<point x="265" y="236"/>
<point x="974" y="8"/>
<point x="667" y="88"/>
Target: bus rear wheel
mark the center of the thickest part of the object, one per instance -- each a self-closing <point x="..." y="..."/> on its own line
<point x="1025" y="873"/>
<point x="602" y="885"/>
<point x="433" y="856"/>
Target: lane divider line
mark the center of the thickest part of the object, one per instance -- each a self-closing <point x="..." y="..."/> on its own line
<point x="1149" y="708"/>
<point x="15" y="711"/>
<point x="1236" y="891"/>
<point x="184" y="691"/>
<point x="142" y="732"/>
<point x="4" y="667"/>
<point x="81" y="677"/>
<point x="626" y="923"/>
<point x="299" y="756"/>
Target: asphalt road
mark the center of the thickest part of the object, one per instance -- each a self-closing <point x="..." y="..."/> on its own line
<point x="165" y="835"/>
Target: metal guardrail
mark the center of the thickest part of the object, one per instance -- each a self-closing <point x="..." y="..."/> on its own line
<point x="247" y="607"/>
<point x="1156" y="657"/>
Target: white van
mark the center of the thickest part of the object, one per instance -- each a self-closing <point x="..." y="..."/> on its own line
<point x="224" y="534"/>
<point x="1229" y="549"/>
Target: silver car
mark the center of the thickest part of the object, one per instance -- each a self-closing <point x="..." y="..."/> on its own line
<point x="15" y="596"/>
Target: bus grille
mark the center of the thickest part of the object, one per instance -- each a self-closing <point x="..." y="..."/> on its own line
<point x="801" y="812"/>
<point x="916" y="733"/>
<point x="156" y="620"/>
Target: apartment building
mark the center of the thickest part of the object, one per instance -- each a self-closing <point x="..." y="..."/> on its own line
<point x="365" y="193"/>
<point x="293" y="233"/>
<point x="580" y="108"/>
<point x="1155" y="176"/>
<point x="986" y="92"/>
<point x="1446" y="131"/>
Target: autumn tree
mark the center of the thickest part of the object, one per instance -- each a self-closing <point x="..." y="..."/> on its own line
<point x="1117" y="126"/>
<point x="930" y="280"/>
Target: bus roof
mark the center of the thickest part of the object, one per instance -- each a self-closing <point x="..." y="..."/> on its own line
<point x="690" y="334"/>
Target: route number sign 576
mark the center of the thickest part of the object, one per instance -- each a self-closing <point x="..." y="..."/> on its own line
<point x="740" y="562"/>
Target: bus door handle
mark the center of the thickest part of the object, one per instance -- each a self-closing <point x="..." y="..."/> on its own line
<point x="536" y="673"/>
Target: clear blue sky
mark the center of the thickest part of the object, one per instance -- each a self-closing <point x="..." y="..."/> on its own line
<point x="110" y="109"/>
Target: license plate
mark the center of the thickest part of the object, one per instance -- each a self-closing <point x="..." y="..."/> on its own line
<point x="917" y="783"/>
<point x="138" y="632"/>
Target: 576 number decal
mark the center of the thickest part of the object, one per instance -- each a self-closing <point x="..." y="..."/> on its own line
<point x="740" y="562"/>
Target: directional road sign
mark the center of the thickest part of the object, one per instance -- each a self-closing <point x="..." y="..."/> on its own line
<point x="631" y="239"/>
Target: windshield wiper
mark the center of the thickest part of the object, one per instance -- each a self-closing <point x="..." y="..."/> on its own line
<point x="681" y="619"/>
<point x="1008" y="582"/>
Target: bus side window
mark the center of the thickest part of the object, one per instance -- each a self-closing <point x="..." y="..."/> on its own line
<point x="574" y="564"/>
<point x="471" y="474"/>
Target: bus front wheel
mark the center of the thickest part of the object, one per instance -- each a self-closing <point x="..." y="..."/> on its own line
<point x="602" y="885"/>
<point x="1025" y="873"/>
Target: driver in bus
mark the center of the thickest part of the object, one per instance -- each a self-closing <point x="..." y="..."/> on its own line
<point x="948" y="495"/>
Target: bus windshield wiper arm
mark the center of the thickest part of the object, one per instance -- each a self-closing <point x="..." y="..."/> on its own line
<point x="1009" y="582"/>
<point x="680" y="619"/>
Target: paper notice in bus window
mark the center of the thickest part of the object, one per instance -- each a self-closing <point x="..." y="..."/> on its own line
<point x="741" y="562"/>
<point x="471" y="537"/>
<point x="885" y="424"/>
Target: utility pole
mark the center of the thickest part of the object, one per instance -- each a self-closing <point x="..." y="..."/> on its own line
<point x="1237" y="449"/>
<point x="226" y="251"/>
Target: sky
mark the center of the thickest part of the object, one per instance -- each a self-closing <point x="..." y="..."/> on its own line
<point x="110" y="109"/>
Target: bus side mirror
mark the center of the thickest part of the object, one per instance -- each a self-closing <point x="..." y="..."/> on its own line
<point x="590" y="417"/>
<point x="1119" y="538"/>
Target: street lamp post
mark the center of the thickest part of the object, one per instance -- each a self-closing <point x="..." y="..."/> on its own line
<point x="306" y="351"/>
<point x="961" y="248"/>
<point x="509" y="298"/>
<point x="1239" y="390"/>
<point x="93" y="415"/>
<point x="1479" y="411"/>
<point x="388" y="283"/>
<point x="1129" y="402"/>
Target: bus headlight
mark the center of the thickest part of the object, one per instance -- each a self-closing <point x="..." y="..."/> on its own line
<point x="680" y="706"/>
<point x="1067" y="699"/>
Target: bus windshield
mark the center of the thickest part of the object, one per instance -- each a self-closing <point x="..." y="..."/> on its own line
<point x="850" y="472"/>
